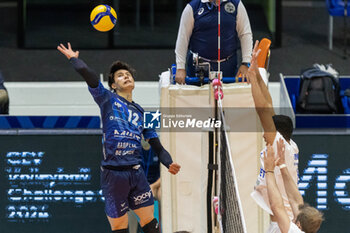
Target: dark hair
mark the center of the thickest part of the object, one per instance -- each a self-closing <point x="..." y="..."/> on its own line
<point x="119" y="65"/>
<point x="310" y="219"/>
<point x="284" y="126"/>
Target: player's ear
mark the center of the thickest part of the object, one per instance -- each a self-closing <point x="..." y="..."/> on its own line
<point x="114" y="86"/>
<point x="298" y="225"/>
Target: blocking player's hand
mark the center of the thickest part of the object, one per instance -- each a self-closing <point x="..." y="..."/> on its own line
<point x="68" y="52"/>
<point x="174" y="168"/>
<point x="269" y="159"/>
<point x="280" y="152"/>
<point x="253" y="69"/>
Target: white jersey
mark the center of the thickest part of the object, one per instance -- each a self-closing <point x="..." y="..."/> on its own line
<point x="294" y="228"/>
<point x="273" y="228"/>
<point x="260" y="190"/>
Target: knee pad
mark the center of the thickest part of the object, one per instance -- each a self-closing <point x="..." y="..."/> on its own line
<point x="151" y="227"/>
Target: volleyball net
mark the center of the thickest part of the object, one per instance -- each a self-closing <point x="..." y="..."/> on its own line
<point x="230" y="215"/>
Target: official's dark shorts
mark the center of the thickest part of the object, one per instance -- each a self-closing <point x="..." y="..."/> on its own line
<point x="124" y="190"/>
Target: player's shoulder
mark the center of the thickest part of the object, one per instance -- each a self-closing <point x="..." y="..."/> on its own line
<point x="294" y="146"/>
<point x="294" y="228"/>
<point x="99" y="89"/>
<point x="278" y="137"/>
<point x="235" y="2"/>
<point x="195" y="4"/>
<point x="138" y="107"/>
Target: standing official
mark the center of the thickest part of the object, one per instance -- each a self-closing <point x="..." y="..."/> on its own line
<point x="198" y="33"/>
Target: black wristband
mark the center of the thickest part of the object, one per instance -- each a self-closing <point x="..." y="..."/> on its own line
<point x="247" y="64"/>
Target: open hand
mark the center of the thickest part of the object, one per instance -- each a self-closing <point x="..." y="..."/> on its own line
<point x="253" y="69"/>
<point x="280" y="152"/>
<point x="269" y="159"/>
<point x="68" y="52"/>
<point x="174" y="168"/>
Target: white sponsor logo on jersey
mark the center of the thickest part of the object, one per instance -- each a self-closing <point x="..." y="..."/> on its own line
<point x="201" y="10"/>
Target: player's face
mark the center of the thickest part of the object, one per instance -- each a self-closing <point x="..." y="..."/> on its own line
<point x="124" y="80"/>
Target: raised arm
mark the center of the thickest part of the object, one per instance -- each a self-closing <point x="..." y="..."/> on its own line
<point x="275" y="198"/>
<point x="88" y="74"/>
<point x="164" y="156"/>
<point x="262" y="98"/>
<point x="294" y="197"/>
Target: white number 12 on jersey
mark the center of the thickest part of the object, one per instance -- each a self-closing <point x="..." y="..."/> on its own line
<point x="136" y="117"/>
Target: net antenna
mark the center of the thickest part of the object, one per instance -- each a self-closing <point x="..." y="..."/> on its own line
<point x="219" y="49"/>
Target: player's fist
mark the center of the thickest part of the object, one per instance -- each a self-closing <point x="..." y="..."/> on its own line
<point x="180" y="76"/>
<point x="174" y="168"/>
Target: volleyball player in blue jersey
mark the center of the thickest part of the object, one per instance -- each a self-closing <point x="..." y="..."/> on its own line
<point x="123" y="181"/>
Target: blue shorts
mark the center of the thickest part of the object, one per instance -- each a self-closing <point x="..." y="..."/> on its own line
<point x="124" y="190"/>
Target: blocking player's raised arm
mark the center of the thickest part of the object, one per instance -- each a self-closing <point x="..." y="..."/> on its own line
<point x="79" y="65"/>
<point x="294" y="197"/>
<point x="275" y="198"/>
<point x="262" y="98"/>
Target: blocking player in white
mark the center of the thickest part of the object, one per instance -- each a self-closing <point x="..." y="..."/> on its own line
<point x="275" y="127"/>
<point x="307" y="219"/>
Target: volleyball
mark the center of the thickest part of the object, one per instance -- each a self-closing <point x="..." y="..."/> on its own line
<point x="103" y="18"/>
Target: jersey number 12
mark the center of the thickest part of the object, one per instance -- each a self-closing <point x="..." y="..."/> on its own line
<point x="133" y="117"/>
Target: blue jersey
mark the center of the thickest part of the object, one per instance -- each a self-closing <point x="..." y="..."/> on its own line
<point x="122" y="128"/>
<point x="204" y="38"/>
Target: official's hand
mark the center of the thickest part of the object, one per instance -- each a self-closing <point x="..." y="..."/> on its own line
<point x="180" y="76"/>
<point x="174" y="168"/>
<point x="243" y="71"/>
<point x="269" y="159"/>
<point x="68" y="52"/>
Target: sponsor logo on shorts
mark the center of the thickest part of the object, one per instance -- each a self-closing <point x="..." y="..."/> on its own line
<point x="142" y="198"/>
<point x="123" y="206"/>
